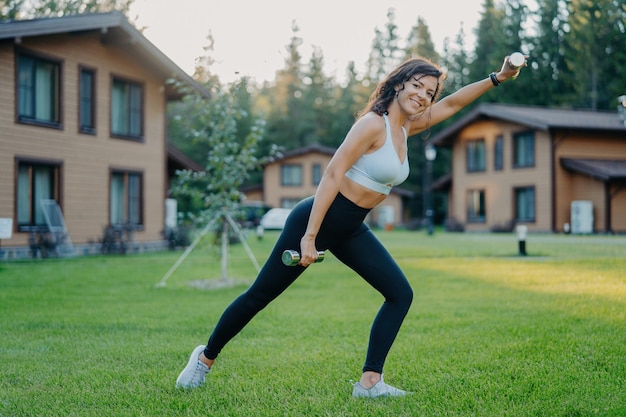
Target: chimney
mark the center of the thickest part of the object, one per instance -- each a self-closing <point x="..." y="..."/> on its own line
<point x="621" y="108"/>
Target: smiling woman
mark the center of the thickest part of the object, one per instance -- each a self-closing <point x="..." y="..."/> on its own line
<point x="370" y="161"/>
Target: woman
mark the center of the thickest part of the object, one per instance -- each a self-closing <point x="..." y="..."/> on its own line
<point x="370" y="161"/>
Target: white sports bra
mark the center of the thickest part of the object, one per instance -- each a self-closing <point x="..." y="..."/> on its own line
<point x="381" y="170"/>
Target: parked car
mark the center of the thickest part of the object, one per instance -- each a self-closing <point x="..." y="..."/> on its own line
<point x="275" y="219"/>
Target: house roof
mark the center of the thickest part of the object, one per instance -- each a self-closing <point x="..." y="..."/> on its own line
<point x="113" y="29"/>
<point x="178" y="160"/>
<point x="601" y="169"/>
<point x="306" y="150"/>
<point x="535" y="117"/>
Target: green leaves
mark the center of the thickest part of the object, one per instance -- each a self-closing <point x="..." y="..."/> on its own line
<point x="214" y="125"/>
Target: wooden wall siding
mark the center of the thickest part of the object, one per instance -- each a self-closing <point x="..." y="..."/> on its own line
<point x="87" y="159"/>
<point x="499" y="185"/>
<point x="618" y="209"/>
<point x="560" y="191"/>
<point x="571" y="186"/>
<point x="275" y="192"/>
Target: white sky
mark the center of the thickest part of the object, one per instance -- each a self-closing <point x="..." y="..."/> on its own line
<point x="251" y="35"/>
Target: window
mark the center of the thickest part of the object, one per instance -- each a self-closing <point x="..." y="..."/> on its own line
<point x="476" y="155"/>
<point x="87" y="100"/>
<point x="498" y="154"/>
<point x="476" y="206"/>
<point x="126" y="109"/>
<point x="36" y="181"/>
<point x="524" y="149"/>
<point x="317" y="174"/>
<point x="525" y="204"/>
<point x="126" y="205"/>
<point x="289" y="202"/>
<point x="291" y="175"/>
<point x="38" y="91"/>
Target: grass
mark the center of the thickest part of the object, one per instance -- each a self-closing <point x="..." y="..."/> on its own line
<point x="490" y="333"/>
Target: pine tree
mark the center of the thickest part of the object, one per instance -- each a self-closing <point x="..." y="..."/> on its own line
<point x="385" y="53"/>
<point x="488" y="51"/>
<point x="317" y="99"/>
<point x="286" y="99"/>
<point x="455" y="62"/>
<point x="594" y="51"/>
<point x="547" y="55"/>
<point x="420" y="43"/>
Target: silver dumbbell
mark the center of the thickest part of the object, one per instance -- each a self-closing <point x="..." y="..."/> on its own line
<point x="292" y="257"/>
<point x="516" y="60"/>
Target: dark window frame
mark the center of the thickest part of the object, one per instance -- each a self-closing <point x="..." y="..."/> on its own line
<point x="56" y="96"/>
<point x="516" y="208"/>
<point x="126" y="173"/>
<point x="474" y="214"/>
<point x="498" y="153"/>
<point x="127" y="133"/>
<point x="316" y="174"/>
<point x="524" y="135"/>
<point x="56" y="194"/>
<point x="472" y="149"/>
<point x="284" y="177"/>
<point x="92" y="103"/>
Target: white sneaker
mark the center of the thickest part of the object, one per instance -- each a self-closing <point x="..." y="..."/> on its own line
<point x="380" y="389"/>
<point x="195" y="372"/>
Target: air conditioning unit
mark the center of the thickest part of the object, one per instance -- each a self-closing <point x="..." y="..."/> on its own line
<point x="582" y="217"/>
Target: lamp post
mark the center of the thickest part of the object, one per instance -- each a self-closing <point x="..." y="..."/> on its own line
<point x="430" y="153"/>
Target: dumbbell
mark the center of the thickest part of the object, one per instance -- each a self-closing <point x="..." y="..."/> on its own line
<point x="292" y="257"/>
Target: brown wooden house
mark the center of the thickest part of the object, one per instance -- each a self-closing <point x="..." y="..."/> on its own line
<point x="296" y="173"/>
<point x="83" y="123"/>
<point x="552" y="170"/>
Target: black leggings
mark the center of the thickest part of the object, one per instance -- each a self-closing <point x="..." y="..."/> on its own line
<point x="352" y="242"/>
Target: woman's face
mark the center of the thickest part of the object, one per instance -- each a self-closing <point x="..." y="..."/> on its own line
<point x="416" y="94"/>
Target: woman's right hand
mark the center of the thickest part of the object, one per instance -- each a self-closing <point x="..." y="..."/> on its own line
<point x="308" y="252"/>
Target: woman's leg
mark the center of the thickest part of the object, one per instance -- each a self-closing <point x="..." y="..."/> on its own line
<point x="368" y="257"/>
<point x="273" y="279"/>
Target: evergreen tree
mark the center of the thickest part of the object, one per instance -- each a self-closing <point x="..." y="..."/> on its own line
<point x="488" y="50"/>
<point x="385" y="53"/>
<point x="318" y="102"/>
<point x="547" y="56"/>
<point x="286" y="99"/>
<point x="455" y="62"/>
<point x="594" y="51"/>
<point x="420" y="43"/>
<point x="513" y="39"/>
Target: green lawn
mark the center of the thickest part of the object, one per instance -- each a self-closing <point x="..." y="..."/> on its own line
<point x="490" y="333"/>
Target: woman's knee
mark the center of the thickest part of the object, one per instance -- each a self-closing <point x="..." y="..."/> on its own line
<point x="407" y="298"/>
<point x="403" y="296"/>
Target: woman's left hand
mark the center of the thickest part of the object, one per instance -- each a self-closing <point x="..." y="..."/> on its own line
<point x="308" y="252"/>
<point x="508" y="72"/>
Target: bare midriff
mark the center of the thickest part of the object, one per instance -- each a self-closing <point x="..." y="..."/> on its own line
<point x="360" y="195"/>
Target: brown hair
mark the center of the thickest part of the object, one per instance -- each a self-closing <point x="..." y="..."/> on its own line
<point x="384" y="93"/>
